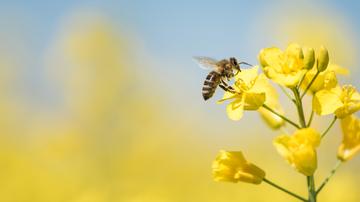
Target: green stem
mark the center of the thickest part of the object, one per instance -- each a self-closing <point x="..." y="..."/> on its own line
<point x="329" y="127"/>
<point x="332" y="172"/>
<point x="281" y="116"/>
<point x="310" y="84"/>
<point x="284" y="190"/>
<point x="287" y="94"/>
<point x="311" y="188"/>
<point x="310" y="119"/>
<point x="302" y="79"/>
<point x="299" y="107"/>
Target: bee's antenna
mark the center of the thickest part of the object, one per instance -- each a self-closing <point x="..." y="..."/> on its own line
<point x="245" y="63"/>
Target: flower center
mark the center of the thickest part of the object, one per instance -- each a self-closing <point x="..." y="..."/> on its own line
<point x="346" y="95"/>
<point x="243" y="86"/>
<point x="290" y="63"/>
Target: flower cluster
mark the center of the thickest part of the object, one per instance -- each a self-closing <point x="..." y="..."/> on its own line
<point x="298" y="71"/>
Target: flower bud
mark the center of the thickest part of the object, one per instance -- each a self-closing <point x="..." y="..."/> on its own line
<point x="309" y="58"/>
<point x="323" y="59"/>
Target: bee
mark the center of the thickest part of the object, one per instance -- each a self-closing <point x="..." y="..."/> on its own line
<point x="221" y="72"/>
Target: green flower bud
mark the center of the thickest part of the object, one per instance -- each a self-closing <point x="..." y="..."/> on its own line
<point x="323" y="59"/>
<point x="309" y="58"/>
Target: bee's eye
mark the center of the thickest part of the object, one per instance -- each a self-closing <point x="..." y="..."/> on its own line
<point x="233" y="61"/>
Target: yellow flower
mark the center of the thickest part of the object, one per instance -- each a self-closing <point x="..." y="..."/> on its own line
<point x="250" y="93"/>
<point x="285" y="68"/>
<point x="350" y="145"/>
<point x="272" y="100"/>
<point x="299" y="149"/>
<point x="340" y="101"/>
<point x="326" y="79"/>
<point x="231" y="166"/>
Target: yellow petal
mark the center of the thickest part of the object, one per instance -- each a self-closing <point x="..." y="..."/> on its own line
<point x="305" y="160"/>
<point x="294" y="51"/>
<point x="338" y="69"/>
<point x="351" y="101"/>
<point x="231" y="158"/>
<point x="308" y="136"/>
<point x="330" y="80"/>
<point x="261" y="84"/>
<point x="270" y="57"/>
<point x="222" y="173"/>
<point x="231" y="166"/>
<point x="271" y="119"/>
<point x="289" y="80"/>
<point x="226" y="164"/>
<point x="248" y="76"/>
<point x="326" y="101"/>
<point x="326" y="79"/>
<point x="299" y="149"/>
<point x="282" y="144"/>
<point x="250" y="173"/>
<point x="272" y="100"/>
<point x="235" y="109"/>
<point x="254" y="101"/>
<point x="347" y="110"/>
<point x="350" y="145"/>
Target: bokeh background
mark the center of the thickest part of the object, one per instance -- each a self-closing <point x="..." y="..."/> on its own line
<point x="101" y="100"/>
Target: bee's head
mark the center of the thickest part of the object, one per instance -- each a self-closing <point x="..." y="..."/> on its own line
<point x="234" y="64"/>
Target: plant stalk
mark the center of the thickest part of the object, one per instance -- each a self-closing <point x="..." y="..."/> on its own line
<point x="281" y="116"/>
<point x="332" y="172"/>
<point x="311" y="188"/>
<point x="329" y="127"/>
<point x="284" y="190"/>
<point x="310" y="84"/>
<point x="299" y="107"/>
<point x="310" y="119"/>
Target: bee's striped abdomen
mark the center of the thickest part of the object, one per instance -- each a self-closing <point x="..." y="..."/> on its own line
<point x="211" y="82"/>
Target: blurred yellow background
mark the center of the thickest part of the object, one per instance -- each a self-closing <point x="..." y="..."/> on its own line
<point x="101" y="101"/>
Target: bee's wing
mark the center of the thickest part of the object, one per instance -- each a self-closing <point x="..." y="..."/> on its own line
<point x="206" y="62"/>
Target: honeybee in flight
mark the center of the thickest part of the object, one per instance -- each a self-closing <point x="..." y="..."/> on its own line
<point x="221" y="72"/>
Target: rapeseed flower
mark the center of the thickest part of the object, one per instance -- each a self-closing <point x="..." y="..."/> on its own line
<point x="300" y="149"/>
<point x="231" y="166"/>
<point x="285" y="67"/>
<point x="342" y="101"/>
<point x="250" y="93"/>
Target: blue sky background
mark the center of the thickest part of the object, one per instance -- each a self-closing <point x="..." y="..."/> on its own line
<point x="168" y="32"/>
<point x="182" y="26"/>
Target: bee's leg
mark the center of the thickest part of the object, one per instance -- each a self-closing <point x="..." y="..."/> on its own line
<point x="226" y="87"/>
<point x="223" y="87"/>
